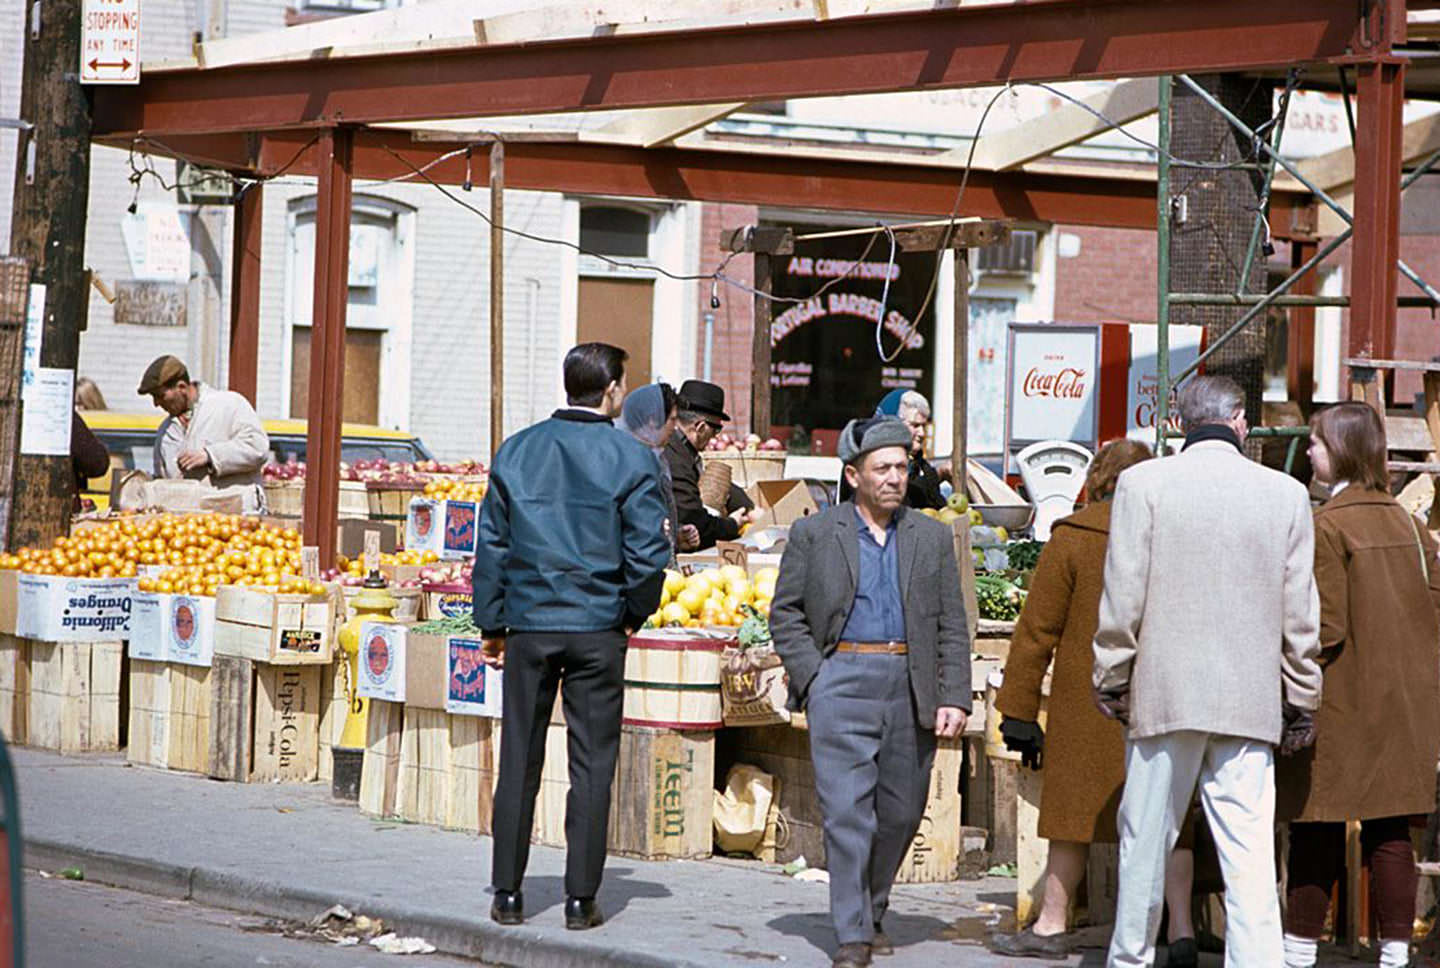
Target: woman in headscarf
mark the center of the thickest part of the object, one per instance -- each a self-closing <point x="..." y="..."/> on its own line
<point x="648" y="415"/>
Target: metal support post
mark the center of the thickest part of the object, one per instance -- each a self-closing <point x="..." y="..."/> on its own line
<point x="1381" y="89"/>
<point x="245" y="292"/>
<point x="1162" y="288"/>
<point x="497" y="295"/>
<point x="960" y="421"/>
<point x="1300" y="333"/>
<point x="327" y="340"/>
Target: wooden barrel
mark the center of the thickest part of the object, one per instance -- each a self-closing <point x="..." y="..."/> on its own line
<point x="673" y="681"/>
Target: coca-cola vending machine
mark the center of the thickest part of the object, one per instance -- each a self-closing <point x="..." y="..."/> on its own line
<point x="1087" y="383"/>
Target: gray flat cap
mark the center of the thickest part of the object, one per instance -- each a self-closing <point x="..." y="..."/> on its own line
<point x="860" y="437"/>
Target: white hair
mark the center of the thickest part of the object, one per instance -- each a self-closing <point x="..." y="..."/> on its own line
<point x="915" y="402"/>
<point x="1210" y="400"/>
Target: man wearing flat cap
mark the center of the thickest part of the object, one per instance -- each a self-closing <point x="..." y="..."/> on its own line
<point x="701" y="415"/>
<point x="210" y="435"/>
<point x="877" y="650"/>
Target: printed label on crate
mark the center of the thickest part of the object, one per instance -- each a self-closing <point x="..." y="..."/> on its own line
<point x="423" y="531"/>
<point x="474" y="687"/>
<point x="382" y="661"/>
<point x="191" y="628"/>
<point x="57" y="609"/>
<point x="453" y="604"/>
<point x="462" y="520"/>
<point x="672" y="776"/>
<point x="149" y="638"/>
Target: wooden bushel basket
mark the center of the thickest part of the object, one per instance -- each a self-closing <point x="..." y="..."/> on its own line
<point x="673" y="681"/>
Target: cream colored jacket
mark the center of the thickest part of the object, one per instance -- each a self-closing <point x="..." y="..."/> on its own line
<point x="225" y="426"/>
<point x="1210" y="615"/>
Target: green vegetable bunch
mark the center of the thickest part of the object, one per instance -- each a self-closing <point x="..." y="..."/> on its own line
<point x="458" y="625"/>
<point x="998" y="599"/>
<point x="755" y="630"/>
<point x="1024" y="555"/>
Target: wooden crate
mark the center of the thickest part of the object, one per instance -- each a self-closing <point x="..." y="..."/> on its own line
<point x="74" y="696"/>
<point x="390" y="503"/>
<point x="14" y="688"/>
<point x="474" y="769"/>
<point x="380" y="769"/>
<point x="446" y="770"/>
<point x="276" y="629"/>
<point x="662" y="801"/>
<point x="170" y="708"/>
<point x="264" y="721"/>
<point x="334" y="706"/>
<point x="784" y="752"/>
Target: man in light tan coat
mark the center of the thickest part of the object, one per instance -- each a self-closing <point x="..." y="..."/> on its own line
<point x="211" y="435"/>
<point x="1207" y="648"/>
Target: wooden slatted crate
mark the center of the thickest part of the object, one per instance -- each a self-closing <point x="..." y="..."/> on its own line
<point x="276" y="629"/>
<point x="74" y="692"/>
<point x="14" y="688"/>
<point x="170" y="708"/>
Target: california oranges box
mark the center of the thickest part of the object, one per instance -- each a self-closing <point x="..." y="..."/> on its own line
<point x="53" y="608"/>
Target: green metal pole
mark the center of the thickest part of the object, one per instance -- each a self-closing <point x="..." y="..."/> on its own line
<point x="1162" y="281"/>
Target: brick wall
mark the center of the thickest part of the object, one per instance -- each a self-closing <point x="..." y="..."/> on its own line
<point x="1111" y="280"/>
<point x="734" y="320"/>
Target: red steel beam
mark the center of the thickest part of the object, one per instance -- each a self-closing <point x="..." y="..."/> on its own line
<point x="714" y="174"/>
<point x="245" y="293"/>
<point x="1380" y="90"/>
<point x="327" y="341"/>
<point x="925" y="50"/>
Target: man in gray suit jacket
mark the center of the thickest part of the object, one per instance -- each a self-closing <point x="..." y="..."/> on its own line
<point x="869" y="620"/>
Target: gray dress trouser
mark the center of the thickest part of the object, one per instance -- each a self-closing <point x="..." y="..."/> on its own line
<point x="872" y="774"/>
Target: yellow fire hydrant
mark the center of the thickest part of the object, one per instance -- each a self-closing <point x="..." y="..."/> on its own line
<point x="373" y="604"/>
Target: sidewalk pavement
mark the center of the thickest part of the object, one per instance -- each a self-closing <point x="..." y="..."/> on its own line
<point x="291" y="852"/>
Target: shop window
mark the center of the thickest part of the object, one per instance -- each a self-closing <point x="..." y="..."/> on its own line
<point x="615" y="231"/>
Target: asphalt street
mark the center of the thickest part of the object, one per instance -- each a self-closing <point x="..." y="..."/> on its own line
<point x="73" y="924"/>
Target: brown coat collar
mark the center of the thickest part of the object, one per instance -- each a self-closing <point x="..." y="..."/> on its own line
<point x="1092" y="517"/>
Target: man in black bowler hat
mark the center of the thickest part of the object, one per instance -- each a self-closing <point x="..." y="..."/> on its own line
<point x="701" y="416"/>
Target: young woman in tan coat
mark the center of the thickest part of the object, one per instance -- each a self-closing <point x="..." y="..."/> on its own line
<point x="1084" y="753"/>
<point x="1378" y="727"/>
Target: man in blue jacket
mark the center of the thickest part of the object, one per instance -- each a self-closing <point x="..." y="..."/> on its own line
<point x="571" y="557"/>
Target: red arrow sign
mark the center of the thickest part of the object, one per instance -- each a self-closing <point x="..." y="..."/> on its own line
<point x="123" y="65"/>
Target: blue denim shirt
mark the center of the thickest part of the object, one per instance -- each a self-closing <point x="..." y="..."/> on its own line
<point x="878" y="614"/>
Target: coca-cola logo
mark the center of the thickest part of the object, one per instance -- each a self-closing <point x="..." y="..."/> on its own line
<point x="1067" y="384"/>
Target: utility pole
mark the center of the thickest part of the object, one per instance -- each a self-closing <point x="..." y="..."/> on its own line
<point x="52" y="190"/>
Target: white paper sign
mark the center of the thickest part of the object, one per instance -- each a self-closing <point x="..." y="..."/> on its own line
<point x="1053" y="383"/>
<point x="149" y="620"/>
<point x="157" y="243"/>
<point x="57" y="609"/>
<point x="110" y="42"/>
<point x="425" y="525"/>
<point x="49" y="404"/>
<point x="472" y="687"/>
<point x="190" y="630"/>
<point x="382" y="661"/>
<point x="34" y="333"/>
<point x="1143" y="388"/>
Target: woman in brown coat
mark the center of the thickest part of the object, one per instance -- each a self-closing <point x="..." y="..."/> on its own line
<point x="1084" y="752"/>
<point x="1378" y="728"/>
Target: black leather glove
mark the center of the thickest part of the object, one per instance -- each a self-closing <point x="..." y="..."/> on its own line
<point x="1299" y="731"/>
<point x="1024" y="737"/>
<point x="1114" y="704"/>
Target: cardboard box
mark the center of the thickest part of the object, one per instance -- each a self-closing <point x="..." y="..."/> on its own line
<point x="425" y="671"/>
<point x="278" y="629"/>
<point x="51" y="608"/>
<point x="449" y="600"/>
<point x="350" y="536"/>
<point x="780" y="502"/>
<point x="448" y="528"/>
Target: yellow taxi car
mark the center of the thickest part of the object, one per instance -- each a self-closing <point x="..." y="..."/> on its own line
<point x="130" y="438"/>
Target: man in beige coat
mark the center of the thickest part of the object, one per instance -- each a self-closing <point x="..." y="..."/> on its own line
<point x="1207" y="648"/>
<point x="210" y="435"/>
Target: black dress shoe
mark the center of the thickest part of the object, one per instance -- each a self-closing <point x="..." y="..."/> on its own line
<point x="508" y="907"/>
<point x="582" y="913"/>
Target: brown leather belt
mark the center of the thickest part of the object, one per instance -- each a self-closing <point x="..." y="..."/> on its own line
<point x="872" y="648"/>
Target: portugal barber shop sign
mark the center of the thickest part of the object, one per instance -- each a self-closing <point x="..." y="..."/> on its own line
<point x="825" y="364"/>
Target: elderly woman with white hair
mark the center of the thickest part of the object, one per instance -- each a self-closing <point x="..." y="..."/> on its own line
<point x="911" y="407"/>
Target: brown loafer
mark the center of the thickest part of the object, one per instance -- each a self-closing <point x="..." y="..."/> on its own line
<point x="1028" y="944"/>
<point x="881" y="944"/>
<point x="855" y="954"/>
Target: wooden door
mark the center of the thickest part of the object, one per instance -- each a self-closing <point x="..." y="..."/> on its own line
<point x="618" y="312"/>
<point x="362" y="375"/>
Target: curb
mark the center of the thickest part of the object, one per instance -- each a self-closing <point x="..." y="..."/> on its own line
<point x="473" y="937"/>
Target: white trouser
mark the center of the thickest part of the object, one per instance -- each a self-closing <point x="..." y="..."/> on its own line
<point x="1237" y="787"/>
